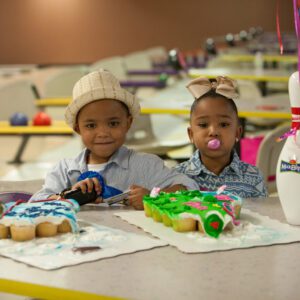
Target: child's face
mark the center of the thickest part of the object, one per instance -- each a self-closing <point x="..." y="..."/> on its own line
<point x="214" y="118"/>
<point x="103" y="126"/>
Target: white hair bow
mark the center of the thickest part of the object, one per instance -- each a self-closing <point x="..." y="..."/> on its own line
<point x="224" y="86"/>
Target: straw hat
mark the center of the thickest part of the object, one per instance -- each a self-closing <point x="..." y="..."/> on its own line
<point x="98" y="85"/>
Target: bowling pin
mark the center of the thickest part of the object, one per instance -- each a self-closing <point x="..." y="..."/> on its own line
<point x="288" y="166"/>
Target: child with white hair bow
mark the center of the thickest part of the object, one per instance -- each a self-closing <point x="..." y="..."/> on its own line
<point x="214" y="130"/>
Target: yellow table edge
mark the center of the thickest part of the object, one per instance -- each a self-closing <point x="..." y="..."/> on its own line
<point x="37" y="130"/>
<point x="250" y="57"/>
<point x="46" y="292"/>
<point x="243" y="114"/>
<point x="57" y="128"/>
<point x="244" y="77"/>
<point x="53" y="102"/>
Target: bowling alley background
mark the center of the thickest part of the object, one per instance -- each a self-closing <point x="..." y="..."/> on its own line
<point x="83" y="31"/>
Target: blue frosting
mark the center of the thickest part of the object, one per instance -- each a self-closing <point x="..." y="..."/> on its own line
<point x="29" y="211"/>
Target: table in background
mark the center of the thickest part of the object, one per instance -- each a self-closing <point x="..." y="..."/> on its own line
<point x="57" y="128"/>
<point x="243" y="74"/>
<point x="287" y="59"/>
<point x="261" y="76"/>
<point x="270" y="272"/>
<point x="180" y="105"/>
<point x="15" y="69"/>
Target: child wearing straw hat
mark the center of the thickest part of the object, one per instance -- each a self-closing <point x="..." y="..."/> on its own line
<point x="101" y="112"/>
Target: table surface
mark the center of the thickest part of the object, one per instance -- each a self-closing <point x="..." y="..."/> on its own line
<point x="57" y="128"/>
<point x="270" y="272"/>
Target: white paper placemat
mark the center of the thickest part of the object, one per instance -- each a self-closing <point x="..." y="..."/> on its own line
<point x="56" y="252"/>
<point x="254" y="230"/>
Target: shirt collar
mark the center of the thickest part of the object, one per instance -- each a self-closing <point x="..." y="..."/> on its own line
<point x="236" y="164"/>
<point x="120" y="157"/>
<point x="195" y="166"/>
<point x="79" y="162"/>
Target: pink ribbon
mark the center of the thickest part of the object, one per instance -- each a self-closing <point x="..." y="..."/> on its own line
<point x="291" y="132"/>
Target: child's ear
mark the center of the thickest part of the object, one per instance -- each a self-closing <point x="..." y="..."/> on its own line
<point x="76" y="128"/>
<point x="129" y="122"/>
<point x="239" y="132"/>
<point x="190" y="134"/>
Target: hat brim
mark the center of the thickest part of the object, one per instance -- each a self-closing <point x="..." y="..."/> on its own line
<point x="121" y="95"/>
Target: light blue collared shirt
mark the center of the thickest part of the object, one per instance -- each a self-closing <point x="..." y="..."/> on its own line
<point x="125" y="168"/>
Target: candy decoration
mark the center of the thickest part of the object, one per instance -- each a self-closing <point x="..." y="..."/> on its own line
<point x="215" y="225"/>
<point x="291" y="132"/>
<point x="221" y="189"/>
<point x="155" y="192"/>
<point x="197" y="205"/>
<point x="229" y="209"/>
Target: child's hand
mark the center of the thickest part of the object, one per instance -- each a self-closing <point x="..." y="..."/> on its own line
<point x="87" y="185"/>
<point x="136" y="196"/>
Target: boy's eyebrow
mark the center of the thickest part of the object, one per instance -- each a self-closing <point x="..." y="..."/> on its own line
<point x="206" y="116"/>
<point x="89" y="120"/>
<point x="109" y="118"/>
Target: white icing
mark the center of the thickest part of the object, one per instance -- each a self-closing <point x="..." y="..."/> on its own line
<point x="186" y="215"/>
<point x="226" y="219"/>
<point x="90" y="236"/>
<point x="36" y="221"/>
<point x="238" y="235"/>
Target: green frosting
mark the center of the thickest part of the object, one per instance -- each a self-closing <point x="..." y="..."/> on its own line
<point x="213" y="225"/>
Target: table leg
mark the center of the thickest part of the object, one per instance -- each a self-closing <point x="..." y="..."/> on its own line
<point x="18" y="156"/>
<point x="263" y="88"/>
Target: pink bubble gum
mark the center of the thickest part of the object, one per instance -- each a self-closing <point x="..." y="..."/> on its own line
<point x="214" y="144"/>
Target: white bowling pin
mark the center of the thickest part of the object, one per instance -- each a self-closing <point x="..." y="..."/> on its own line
<point x="288" y="166"/>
